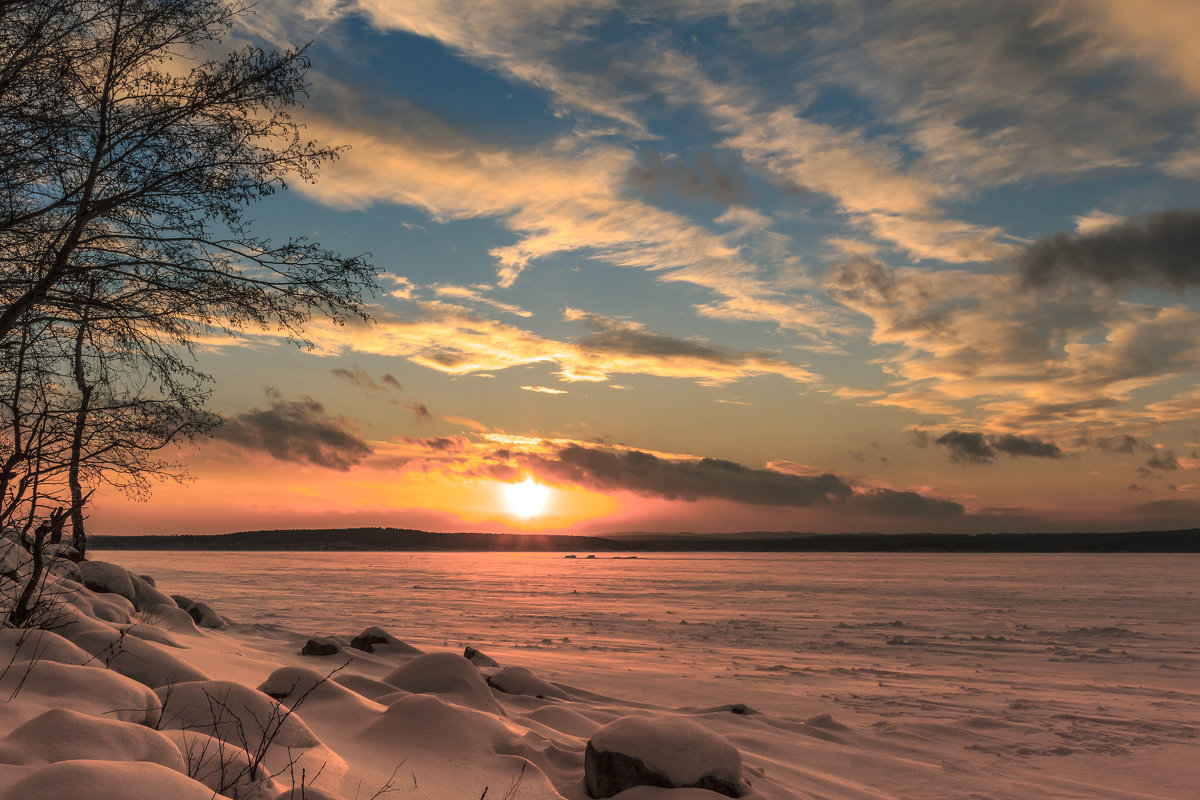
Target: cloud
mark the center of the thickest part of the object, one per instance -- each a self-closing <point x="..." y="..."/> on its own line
<point x="866" y="178"/>
<point x="983" y="350"/>
<point x="543" y="390"/>
<point x="629" y="343"/>
<point x="702" y="176"/>
<point x="298" y="431"/>
<point x="1161" y="250"/>
<point x="459" y="341"/>
<point x="977" y="448"/>
<point x="691" y="480"/>
<point x="1029" y="446"/>
<point x="1163" y="460"/>
<point x="967" y="448"/>
<point x="474" y="294"/>
<point x="1117" y="444"/>
<point x="420" y="411"/>
<point x="357" y="376"/>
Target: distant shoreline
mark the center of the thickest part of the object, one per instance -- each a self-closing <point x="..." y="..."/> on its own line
<point x="405" y="540"/>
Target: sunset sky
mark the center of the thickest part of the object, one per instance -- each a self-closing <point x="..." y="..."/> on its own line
<point x="729" y="265"/>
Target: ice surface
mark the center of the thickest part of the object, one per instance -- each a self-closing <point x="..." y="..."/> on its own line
<point x="838" y="677"/>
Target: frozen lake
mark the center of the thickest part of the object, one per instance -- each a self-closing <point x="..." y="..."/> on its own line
<point x="1082" y="671"/>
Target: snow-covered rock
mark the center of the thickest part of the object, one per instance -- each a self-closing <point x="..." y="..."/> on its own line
<point x="138" y="658"/>
<point x="64" y="735"/>
<point x="101" y="576"/>
<point x="221" y="766"/>
<point x="19" y="645"/>
<point x="107" y="780"/>
<point x="204" y="616"/>
<point x="447" y="675"/>
<point x="92" y="690"/>
<point x="374" y="639"/>
<point x="670" y="752"/>
<point x="479" y="658"/>
<point x="170" y="618"/>
<point x="518" y="680"/>
<point x="233" y="713"/>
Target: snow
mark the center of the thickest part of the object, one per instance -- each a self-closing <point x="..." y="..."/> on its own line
<point x="518" y="680"/>
<point x="680" y="750"/>
<point x="852" y="679"/>
<point x="107" y="780"/>
<point x="61" y="734"/>
<point x="446" y="674"/>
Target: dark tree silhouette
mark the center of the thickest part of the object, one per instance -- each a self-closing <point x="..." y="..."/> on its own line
<point x="132" y="143"/>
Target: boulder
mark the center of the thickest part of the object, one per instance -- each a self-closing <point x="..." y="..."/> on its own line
<point x="100" y="576"/>
<point x="320" y="647"/>
<point x="666" y="752"/>
<point x="373" y="638"/>
<point x="479" y="659"/>
<point x="518" y="680"/>
<point x="204" y="616"/>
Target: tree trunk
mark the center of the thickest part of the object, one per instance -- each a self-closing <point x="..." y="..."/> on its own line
<point x="78" y="534"/>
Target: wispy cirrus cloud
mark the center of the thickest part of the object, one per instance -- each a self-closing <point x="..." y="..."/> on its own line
<point x="458" y="341"/>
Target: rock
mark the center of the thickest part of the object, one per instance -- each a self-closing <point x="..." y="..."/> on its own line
<point x="320" y="647"/>
<point x="182" y="601"/>
<point x="518" y="680"/>
<point x="367" y="640"/>
<point x="204" y="616"/>
<point x="666" y="752"/>
<point x="100" y="576"/>
<point x="479" y="659"/>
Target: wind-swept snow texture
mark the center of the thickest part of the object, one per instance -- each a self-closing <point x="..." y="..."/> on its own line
<point x="831" y="677"/>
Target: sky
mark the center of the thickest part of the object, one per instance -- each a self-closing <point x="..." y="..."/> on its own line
<point x="728" y="265"/>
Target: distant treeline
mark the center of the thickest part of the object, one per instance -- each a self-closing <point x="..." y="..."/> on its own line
<point x="366" y="539"/>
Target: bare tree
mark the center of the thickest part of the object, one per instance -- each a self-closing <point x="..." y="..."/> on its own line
<point x="132" y="143"/>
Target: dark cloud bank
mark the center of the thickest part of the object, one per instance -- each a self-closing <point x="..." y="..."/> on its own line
<point x="709" y="478"/>
<point x="979" y="448"/>
<point x="299" y="431"/>
<point x="1160" y="250"/>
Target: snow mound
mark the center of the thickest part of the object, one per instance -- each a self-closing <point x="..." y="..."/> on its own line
<point x="137" y="658"/>
<point x="101" y="576"/>
<point x="20" y="645"/>
<point x="518" y="680"/>
<point x="92" y="690"/>
<point x="64" y="735"/>
<point x="233" y="713"/>
<point x="669" y="752"/>
<point x="448" y="675"/>
<point x="108" y="780"/>
<point x="293" y="685"/>
<point x="223" y="767"/>
<point x="172" y="618"/>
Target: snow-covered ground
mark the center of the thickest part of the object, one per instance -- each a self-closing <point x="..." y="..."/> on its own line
<point x="832" y="676"/>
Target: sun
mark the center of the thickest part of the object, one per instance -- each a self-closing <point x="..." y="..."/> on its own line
<point x="526" y="499"/>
